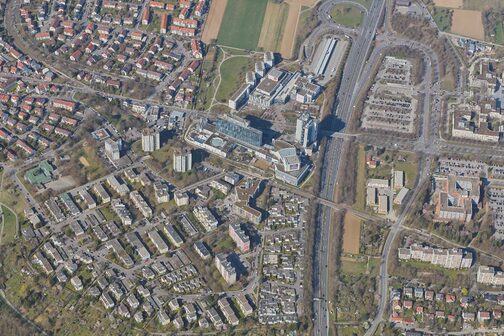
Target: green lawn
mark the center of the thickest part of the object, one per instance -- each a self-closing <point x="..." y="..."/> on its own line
<point x="411" y="170"/>
<point x="353" y="266"/>
<point x="347" y="15"/>
<point x="360" y="181"/>
<point x="232" y="73"/>
<point x="349" y="330"/>
<point x="365" y="3"/>
<point x="242" y="23"/>
<point x="10" y="226"/>
<point x="482" y="5"/>
<point x="499" y="33"/>
<point x="421" y="266"/>
<point x="442" y="17"/>
<point x="360" y="266"/>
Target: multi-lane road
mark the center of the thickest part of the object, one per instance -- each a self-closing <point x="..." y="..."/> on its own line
<point x="342" y="111"/>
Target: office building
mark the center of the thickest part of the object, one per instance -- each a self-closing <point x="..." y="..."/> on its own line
<point x="306" y="130"/>
<point x="240" y="130"/>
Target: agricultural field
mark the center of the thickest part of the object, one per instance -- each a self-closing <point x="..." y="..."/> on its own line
<point x="214" y="20"/>
<point x="347" y="15"/>
<point x="351" y="234"/>
<point x="290" y="28"/>
<point x="460" y="26"/>
<point x="449" y="3"/>
<point x="242" y="22"/>
<point x="256" y="24"/>
<point x="273" y="26"/>
<point x="478" y="5"/>
<point x="482" y="5"/>
<point x="485" y="17"/>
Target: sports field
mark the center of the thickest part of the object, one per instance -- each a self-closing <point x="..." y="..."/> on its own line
<point x="242" y="23"/>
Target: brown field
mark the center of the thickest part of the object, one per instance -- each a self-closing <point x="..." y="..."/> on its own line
<point x="351" y="234"/>
<point x="84" y="161"/>
<point x="291" y="23"/>
<point x="468" y="23"/>
<point x="214" y="19"/>
<point x="279" y="27"/>
<point x="449" y="3"/>
<point x="273" y="26"/>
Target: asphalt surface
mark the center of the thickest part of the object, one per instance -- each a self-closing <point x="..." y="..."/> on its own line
<point x="331" y="161"/>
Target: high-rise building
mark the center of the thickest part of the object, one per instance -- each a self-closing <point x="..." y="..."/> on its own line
<point x="239" y="237"/>
<point x="182" y="160"/>
<point x="239" y="129"/>
<point x="113" y="149"/>
<point x="225" y="268"/>
<point x="150" y="140"/>
<point x="306" y="130"/>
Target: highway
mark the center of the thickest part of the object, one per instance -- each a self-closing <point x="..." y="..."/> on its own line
<point x="330" y="164"/>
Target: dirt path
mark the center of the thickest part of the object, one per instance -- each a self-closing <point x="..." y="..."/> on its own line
<point x="213" y="22"/>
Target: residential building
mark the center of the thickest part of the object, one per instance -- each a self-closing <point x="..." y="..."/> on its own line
<point x="225" y="268"/>
<point x="239" y="237"/>
<point x="150" y="140"/>
<point x="182" y="160"/>
<point x="205" y="217"/>
<point x="113" y="149"/>
<point x="455" y="258"/>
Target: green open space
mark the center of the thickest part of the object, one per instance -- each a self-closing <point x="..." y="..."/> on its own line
<point x="499" y="33"/>
<point x="361" y="265"/>
<point x="442" y="17"/>
<point x="347" y="15"/>
<point x="411" y="171"/>
<point x="349" y="330"/>
<point x="232" y="72"/>
<point x="426" y="268"/>
<point x="448" y="82"/>
<point x="242" y="23"/>
<point x="365" y="3"/>
<point x="90" y="163"/>
<point x="483" y="4"/>
<point x="360" y="195"/>
<point x="10" y="226"/>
